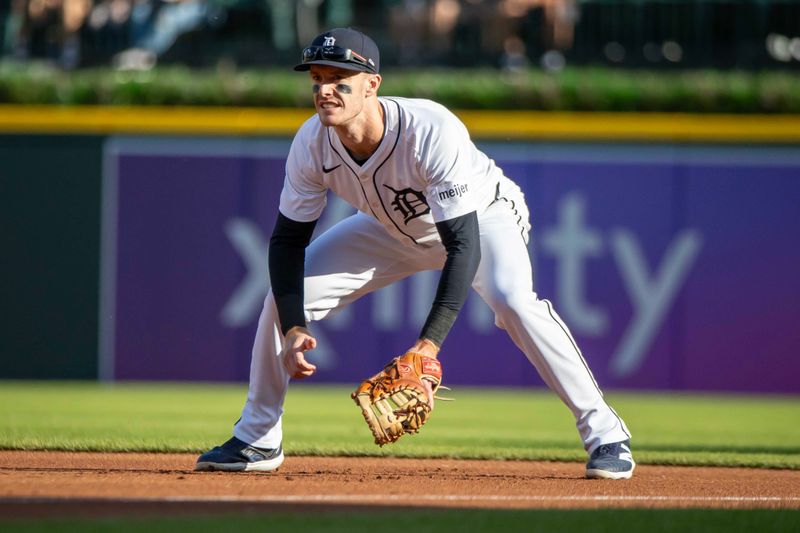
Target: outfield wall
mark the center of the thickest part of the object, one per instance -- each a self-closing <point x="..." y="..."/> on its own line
<point x="49" y="240"/>
<point x="673" y="263"/>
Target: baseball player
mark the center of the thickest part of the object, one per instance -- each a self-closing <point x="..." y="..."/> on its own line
<point x="427" y="198"/>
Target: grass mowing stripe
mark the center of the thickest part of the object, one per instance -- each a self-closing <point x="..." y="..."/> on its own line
<point x="322" y="420"/>
<point x="606" y="520"/>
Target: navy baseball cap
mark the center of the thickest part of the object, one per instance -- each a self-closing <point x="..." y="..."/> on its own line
<point x="344" y="48"/>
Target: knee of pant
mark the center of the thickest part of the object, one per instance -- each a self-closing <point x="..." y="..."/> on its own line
<point x="269" y="299"/>
<point x="269" y="309"/>
<point x="511" y="304"/>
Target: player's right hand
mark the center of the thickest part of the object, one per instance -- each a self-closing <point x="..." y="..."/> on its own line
<point x="296" y="342"/>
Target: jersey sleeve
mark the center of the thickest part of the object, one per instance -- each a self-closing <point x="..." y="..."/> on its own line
<point x="445" y="158"/>
<point x="304" y="194"/>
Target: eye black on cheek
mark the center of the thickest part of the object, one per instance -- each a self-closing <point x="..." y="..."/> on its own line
<point x="315" y="88"/>
<point x="344" y="89"/>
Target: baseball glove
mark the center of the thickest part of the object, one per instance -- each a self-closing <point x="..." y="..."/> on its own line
<point x="396" y="400"/>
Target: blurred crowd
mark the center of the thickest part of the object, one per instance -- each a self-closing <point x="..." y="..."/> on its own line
<point x="510" y="34"/>
<point x="506" y="33"/>
<point x="74" y="33"/>
<point x="139" y="33"/>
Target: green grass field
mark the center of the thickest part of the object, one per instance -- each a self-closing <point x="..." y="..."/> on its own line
<point x="482" y="423"/>
<point x="472" y="521"/>
<point x="751" y="431"/>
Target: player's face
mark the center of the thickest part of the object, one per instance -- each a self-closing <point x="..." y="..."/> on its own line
<point x="339" y="94"/>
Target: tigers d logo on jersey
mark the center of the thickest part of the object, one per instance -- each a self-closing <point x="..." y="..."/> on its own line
<point x="409" y="203"/>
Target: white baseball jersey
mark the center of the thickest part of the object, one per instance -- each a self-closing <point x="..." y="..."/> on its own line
<point x="425" y="170"/>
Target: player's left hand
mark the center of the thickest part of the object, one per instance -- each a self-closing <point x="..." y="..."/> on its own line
<point x="296" y="342"/>
<point x="399" y="399"/>
<point x="427" y="348"/>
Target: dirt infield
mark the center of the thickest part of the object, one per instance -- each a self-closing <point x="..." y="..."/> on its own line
<point x="62" y="484"/>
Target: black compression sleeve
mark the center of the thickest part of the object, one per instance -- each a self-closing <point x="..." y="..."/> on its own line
<point x="287" y="255"/>
<point x="461" y="239"/>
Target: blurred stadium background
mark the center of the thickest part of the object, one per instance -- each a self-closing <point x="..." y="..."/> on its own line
<point x="746" y="34"/>
<point x="134" y="239"/>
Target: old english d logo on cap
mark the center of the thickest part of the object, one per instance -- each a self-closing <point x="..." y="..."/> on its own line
<point x="344" y="48"/>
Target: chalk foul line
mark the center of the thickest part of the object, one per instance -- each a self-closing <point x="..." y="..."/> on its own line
<point x="408" y="499"/>
<point x="290" y="498"/>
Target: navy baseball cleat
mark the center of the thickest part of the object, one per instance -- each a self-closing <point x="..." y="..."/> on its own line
<point x="236" y="456"/>
<point x="611" y="461"/>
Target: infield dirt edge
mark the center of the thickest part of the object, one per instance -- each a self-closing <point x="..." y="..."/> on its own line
<point x="102" y="484"/>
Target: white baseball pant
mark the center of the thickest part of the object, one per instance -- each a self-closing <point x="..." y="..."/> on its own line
<point x="357" y="256"/>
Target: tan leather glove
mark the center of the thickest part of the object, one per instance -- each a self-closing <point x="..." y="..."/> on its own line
<point x="399" y="399"/>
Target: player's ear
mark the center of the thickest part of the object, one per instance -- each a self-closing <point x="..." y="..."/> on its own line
<point x="373" y="83"/>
